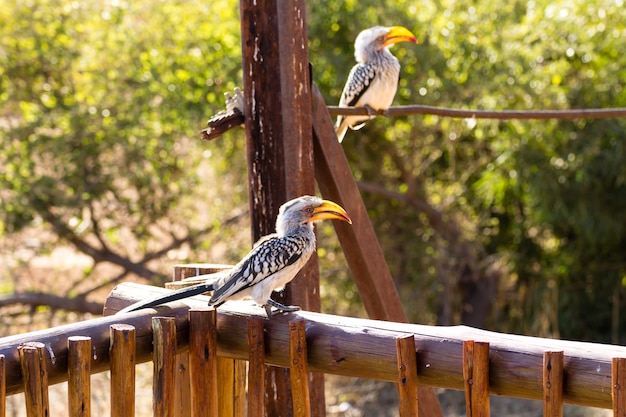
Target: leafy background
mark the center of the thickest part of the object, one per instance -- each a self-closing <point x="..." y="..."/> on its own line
<point x="514" y="226"/>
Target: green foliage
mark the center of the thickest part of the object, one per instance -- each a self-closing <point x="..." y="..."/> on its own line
<point x="540" y="204"/>
<point x="100" y="104"/>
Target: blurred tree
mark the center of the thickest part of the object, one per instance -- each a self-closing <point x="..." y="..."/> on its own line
<point x="101" y="103"/>
<point x="510" y="225"/>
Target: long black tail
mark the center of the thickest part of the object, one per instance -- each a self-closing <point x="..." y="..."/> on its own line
<point x="174" y="296"/>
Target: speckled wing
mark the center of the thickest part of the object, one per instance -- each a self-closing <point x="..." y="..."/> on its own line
<point x="359" y="79"/>
<point x="271" y="255"/>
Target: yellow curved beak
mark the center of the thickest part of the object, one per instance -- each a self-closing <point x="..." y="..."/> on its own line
<point x="330" y="210"/>
<point x="399" y="34"/>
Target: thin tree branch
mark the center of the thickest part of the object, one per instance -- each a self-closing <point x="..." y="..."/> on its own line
<point x="190" y="238"/>
<point x="568" y="114"/>
<point x="34" y="299"/>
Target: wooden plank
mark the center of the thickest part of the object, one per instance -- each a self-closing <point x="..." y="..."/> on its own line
<point x="122" y="370"/>
<point x="553" y="384"/>
<point x="164" y="366"/>
<point x="363" y="253"/>
<point x="239" y="396"/>
<point x="476" y="378"/>
<point x="203" y="362"/>
<point x="79" y="376"/>
<point x="298" y="369"/>
<point x="184" y="271"/>
<point x="182" y="394"/>
<point x="226" y="386"/>
<point x="35" y="374"/>
<point x="256" y="368"/>
<point x="618" y="386"/>
<point x="407" y="376"/>
<point x="361" y="248"/>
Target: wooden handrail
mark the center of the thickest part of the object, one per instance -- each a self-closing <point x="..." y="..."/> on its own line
<point x="340" y="345"/>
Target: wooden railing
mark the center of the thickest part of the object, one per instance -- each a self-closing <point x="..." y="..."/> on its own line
<point x="218" y="344"/>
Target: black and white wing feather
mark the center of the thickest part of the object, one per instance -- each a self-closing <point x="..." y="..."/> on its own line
<point x="359" y="79"/>
<point x="273" y="255"/>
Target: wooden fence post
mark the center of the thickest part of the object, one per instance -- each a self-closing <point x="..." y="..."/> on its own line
<point x="35" y="376"/>
<point x="79" y="376"/>
<point x="553" y="384"/>
<point x="203" y="362"/>
<point x="618" y="383"/>
<point x="476" y="377"/>
<point x="407" y="376"/>
<point x="256" y="367"/>
<point x="122" y="356"/>
<point x="298" y="369"/>
<point x="164" y="366"/>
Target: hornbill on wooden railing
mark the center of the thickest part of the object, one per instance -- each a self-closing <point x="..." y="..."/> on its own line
<point x="271" y="264"/>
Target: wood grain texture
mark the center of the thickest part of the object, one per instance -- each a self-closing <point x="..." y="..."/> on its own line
<point x="123" y="363"/>
<point x="298" y="369"/>
<point x="164" y="366"/>
<point x="618" y="389"/>
<point x="203" y="362"/>
<point x="553" y="384"/>
<point x="79" y="376"/>
<point x="32" y="356"/>
<point x="476" y="378"/>
<point x="256" y="367"/>
<point x="407" y="376"/>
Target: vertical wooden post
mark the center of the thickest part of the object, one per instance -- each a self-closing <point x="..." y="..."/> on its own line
<point x="3" y="387"/>
<point x="407" y="376"/>
<point x="231" y="374"/>
<point x="164" y="366"/>
<point x="182" y="394"/>
<point x="277" y="92"/>
<point x="79" y="376"/>
<point x="553" y="384"/>
<point x="618" y="382"/>
<point x="35" y="376"/>
<point x="256" y="367"/>
<point x="299" y="370"/>
<point x="476" y="377"/>
<point x="203" y="362"/>
<point x="122" y="357"/>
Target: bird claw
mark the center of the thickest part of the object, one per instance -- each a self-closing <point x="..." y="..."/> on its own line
<point x="279" y="308"/>
<point x="370" y="111"/>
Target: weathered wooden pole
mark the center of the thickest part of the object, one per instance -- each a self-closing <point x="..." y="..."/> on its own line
<point x="277" y="91"/>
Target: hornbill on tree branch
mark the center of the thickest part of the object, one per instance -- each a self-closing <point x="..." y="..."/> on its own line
<point x="271" y="264"/>
<point x="373" y="81"/>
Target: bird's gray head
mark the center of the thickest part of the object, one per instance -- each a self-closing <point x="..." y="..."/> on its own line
<point x="307" y="210"/>
<point x="378" y="38"/>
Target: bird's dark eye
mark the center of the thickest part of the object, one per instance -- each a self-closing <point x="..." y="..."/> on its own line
<point x="309" y="210"/>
